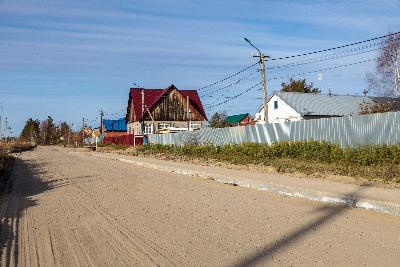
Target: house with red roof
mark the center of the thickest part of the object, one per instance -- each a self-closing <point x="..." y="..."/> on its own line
<point x="164" y="110"/>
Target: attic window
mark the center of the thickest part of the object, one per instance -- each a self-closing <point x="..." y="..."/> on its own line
<point x="276" y="104"/>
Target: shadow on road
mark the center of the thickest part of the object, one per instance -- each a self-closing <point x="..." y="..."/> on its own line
<point x="22" y="185"/>
<point x="329" y="212"/>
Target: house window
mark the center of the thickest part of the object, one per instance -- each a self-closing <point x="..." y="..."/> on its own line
<point x="163" y="125"/>
<point x="195" y="125"/>
<point x="148" y="128"/>
<point x="276" y="104"/>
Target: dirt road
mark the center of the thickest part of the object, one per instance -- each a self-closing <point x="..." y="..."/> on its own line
<point x="72" y="209"/>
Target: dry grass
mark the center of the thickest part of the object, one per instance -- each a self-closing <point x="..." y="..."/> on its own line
<point x="376" y="164"/>
<point x="7" y="160"/>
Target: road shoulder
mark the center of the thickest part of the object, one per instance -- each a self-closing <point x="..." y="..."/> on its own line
<point x="382" y="200"/>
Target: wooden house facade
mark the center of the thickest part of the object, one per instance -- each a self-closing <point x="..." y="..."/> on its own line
<point x="164" y="110"/>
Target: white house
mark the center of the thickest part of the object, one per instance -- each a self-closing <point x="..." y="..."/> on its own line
<point x="293" y="106"/>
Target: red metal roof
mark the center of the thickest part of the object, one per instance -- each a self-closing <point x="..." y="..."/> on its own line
<point x="153" y="95"/>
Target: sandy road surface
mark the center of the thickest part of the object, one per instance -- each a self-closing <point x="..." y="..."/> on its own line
<point x="68" y="208"/>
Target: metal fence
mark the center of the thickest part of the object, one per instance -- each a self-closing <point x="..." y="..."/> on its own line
<point x="348" y="131"/>
<point x="128" y="139"/>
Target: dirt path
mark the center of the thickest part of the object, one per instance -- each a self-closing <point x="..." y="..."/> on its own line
<point x="71" y="209"/>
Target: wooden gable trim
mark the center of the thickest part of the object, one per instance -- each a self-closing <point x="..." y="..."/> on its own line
<point x="172" y="106"/>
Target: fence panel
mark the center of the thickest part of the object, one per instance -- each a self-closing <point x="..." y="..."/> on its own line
<point x="129" y="139"/>
<point x="348" y="131"/>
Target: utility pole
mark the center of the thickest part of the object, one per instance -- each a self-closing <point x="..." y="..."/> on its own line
<point x="190" y="117"/>
<point x="264" y="87"/>
<point x="187" y="113"/>
<point x="83" y="130"/>
<point x="143" y="114"/>
<point x="101" y="122"/>
<point x="6" y="127"/>
<point x="263" y="79"/>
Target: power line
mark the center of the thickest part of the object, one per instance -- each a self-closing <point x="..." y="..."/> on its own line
<point x="233" y="75"/>
<point x="236" y="96"/>
<point x="208" y="93"/>
<point x="309" y="61"/>
<point x="325" y="69"/>
<point x="334" y="48"/>
<point x="275" y="78"/>
<point x="321" y="59"/>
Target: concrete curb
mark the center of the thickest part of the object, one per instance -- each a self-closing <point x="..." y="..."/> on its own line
<point x="285" y="190"/>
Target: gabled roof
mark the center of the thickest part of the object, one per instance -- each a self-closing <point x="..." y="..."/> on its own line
<point x="115" y="125"/>
<point x="152" y="96"/>
<point x="236" y="118"/>
<point x="309" y="104"/>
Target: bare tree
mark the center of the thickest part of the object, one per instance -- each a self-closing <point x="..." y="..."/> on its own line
<point x="386" y="80"/>
<point x="375" y="107"/>
<point x="218" y="120"/>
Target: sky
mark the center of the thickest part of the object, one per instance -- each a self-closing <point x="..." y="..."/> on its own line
<point x="71" y="58"/>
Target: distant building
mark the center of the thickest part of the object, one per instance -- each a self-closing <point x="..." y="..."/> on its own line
<point x="114" y="128"/>
<point x="239" y="119"/>
<point x="293" y="106"/>
<point x="165" y="110"/>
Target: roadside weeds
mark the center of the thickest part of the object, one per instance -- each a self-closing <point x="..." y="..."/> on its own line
<point x="368" y="165"/>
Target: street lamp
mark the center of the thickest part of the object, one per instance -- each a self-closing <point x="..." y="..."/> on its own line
<point x="247" y="40"/>
<point x="263" y="80"/>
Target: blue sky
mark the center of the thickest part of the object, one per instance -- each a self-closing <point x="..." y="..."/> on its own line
<point x="68" y="59"/>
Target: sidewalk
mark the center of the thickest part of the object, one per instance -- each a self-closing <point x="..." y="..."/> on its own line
<point x="372" y="198"/>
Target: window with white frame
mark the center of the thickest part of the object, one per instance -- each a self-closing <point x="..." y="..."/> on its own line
<point x="148" y="128"/>
<point x="195" y="125"/>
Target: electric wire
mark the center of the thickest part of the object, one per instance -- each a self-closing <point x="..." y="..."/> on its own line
<point x="334" y="48"/>
<point x="353" y="52"/>
<point x="208" y="94"/>
<point x="236" y="96"/>
<point x="233" y="75"/>
<point x="285" y="76"/>
<point x="320" y="70"/>
<point x="299" y="63"/>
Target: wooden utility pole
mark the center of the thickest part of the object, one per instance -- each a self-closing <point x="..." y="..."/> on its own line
<point x="187" y="113"/>
<point x="6" y="127"/>
<point x="263" y="79"/>
<point x="83" y="131"/>
<point x="143" y="113"/>
<point x="101" y="122"/>
<point x="264" y="84"/>
<point x="264" y="87"/>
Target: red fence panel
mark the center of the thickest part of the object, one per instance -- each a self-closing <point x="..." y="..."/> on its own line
<point x="129" y="139"/>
